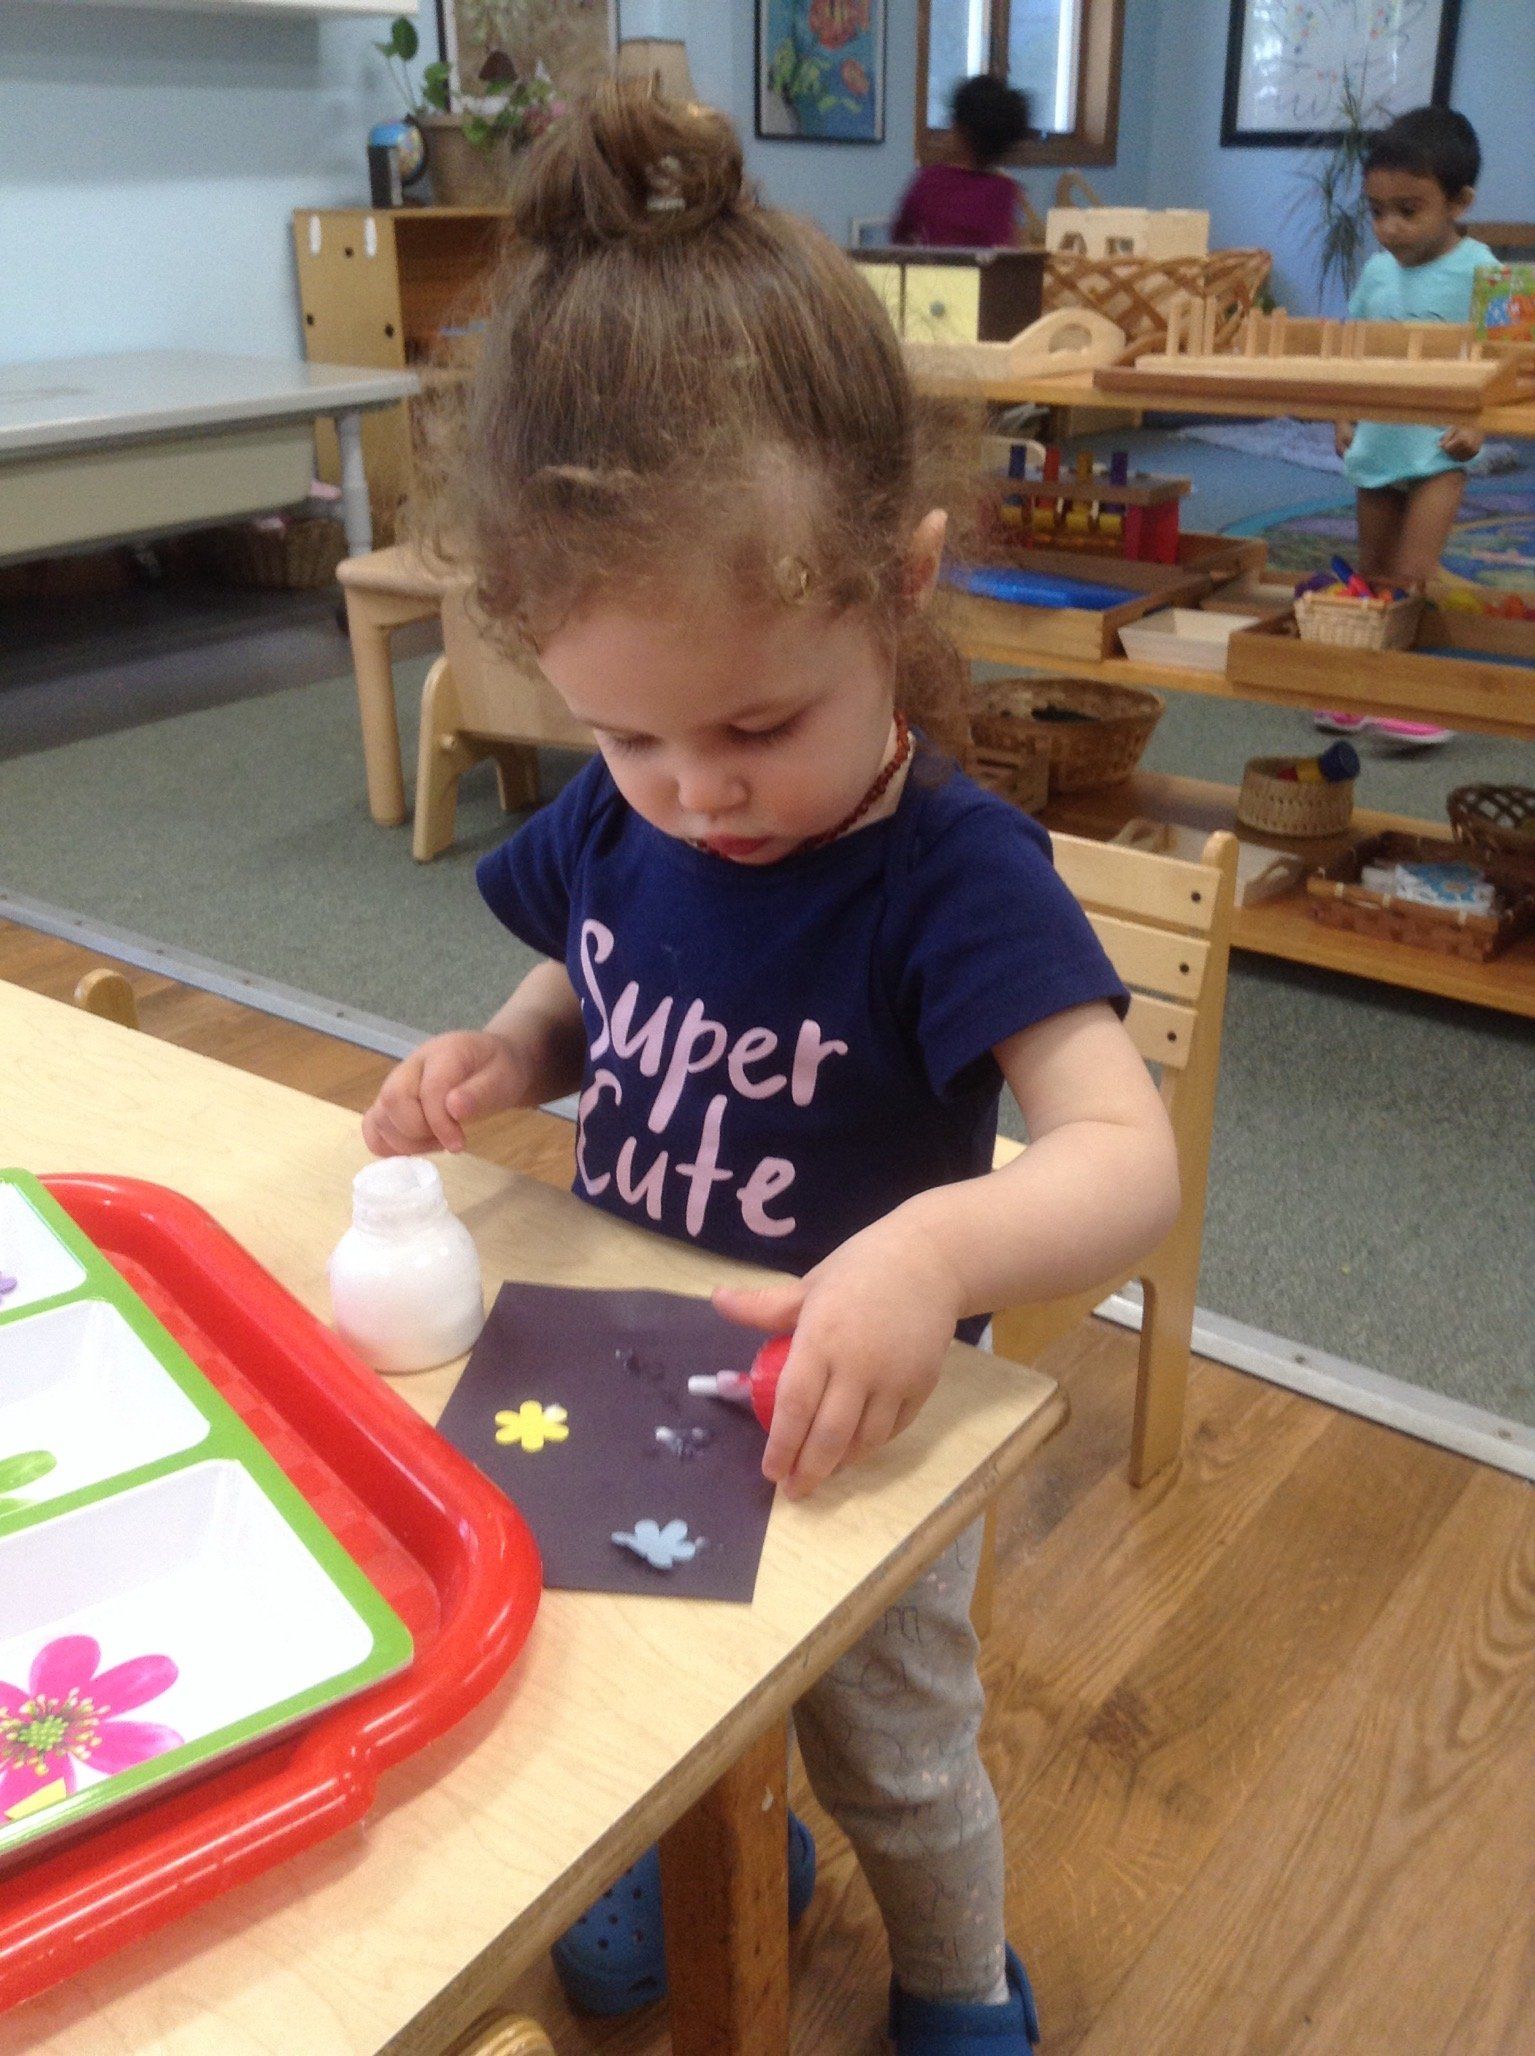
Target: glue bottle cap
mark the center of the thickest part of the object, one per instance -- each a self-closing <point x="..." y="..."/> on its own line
<point x="397" y="1192"/>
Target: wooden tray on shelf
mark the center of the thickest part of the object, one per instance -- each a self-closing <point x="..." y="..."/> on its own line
<point x="1462" y="669"/>
<point x="1340" y="900"/>
<point x="1076" y="635"/>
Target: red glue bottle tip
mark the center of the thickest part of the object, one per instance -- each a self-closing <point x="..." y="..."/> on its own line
<point x="756" y="1388"/>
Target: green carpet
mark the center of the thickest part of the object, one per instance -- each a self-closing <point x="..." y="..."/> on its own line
<point x="1371" y="1191"/>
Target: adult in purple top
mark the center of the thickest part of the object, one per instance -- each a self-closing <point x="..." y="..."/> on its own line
<point x="969" y="204"/>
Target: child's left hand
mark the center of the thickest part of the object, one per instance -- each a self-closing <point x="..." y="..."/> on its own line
<point x="1461" y="443"/>
<point x="872" y="1325"/>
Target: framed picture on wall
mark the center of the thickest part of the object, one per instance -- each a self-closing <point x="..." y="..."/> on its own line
<point x="1288" y="62"/>
<point x="820" y="69"/>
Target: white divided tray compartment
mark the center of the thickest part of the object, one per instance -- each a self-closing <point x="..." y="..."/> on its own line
<point x="34" y="1264"/>
<point x="194" y="1578"/>
<point x="79" y="1387"/>
<point x="166" y="1595"/>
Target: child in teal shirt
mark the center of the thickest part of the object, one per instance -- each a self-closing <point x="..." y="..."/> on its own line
<point x="1419" y="180"/>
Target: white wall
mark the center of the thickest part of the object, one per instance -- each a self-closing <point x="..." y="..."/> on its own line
<point x="151" y="159"/>
<point x="1257" y="196"/>
<point x="149" y="165"/>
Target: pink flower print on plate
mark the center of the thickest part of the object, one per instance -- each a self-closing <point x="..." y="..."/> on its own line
<point x="66" y="1719"/>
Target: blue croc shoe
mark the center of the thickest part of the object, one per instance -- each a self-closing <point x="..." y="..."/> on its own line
<point x="613" y="1960"/>
<point x="944" y="2027"/>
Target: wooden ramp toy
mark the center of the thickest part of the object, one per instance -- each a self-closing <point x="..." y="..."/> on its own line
<point x="1070" y="339"/>
<point x="1439" y="369"/>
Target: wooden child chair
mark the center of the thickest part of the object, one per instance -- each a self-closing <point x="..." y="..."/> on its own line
<point x="384" y="591"/>
<point x="478" y="703"/>
<point x="1166" y="924"/>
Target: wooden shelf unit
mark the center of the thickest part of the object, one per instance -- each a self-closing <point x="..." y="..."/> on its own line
<point x="377" y="285"/>
<point x="1285" y="927"/>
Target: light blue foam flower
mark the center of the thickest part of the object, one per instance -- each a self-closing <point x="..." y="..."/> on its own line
<point x="662" y="1548"/>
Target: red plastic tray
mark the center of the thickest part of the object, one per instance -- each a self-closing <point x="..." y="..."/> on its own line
<point x="451" y="1554"/>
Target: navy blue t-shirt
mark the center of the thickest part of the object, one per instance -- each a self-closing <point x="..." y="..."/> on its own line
<point x="777" y="1055"/>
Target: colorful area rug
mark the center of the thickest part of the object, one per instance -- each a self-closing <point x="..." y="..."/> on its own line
<point x="1492" y="544"/>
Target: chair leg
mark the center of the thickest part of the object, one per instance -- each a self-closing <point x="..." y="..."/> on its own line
<point x="442" y="758"/>
<point x="376" y="711"/>
<point x="516" y="775"/>
<point x="1167" y="1331"/>
<point x="982" y="1600"/>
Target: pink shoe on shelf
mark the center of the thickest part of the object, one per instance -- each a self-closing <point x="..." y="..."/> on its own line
<point x="1413" y="735"/>
<point x="1343" y="724"/>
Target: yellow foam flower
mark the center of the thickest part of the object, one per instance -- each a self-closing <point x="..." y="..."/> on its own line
<point x="532" y="1425"/>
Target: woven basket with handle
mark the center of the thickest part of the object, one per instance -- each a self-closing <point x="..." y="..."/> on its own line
<point x="1356" y="623"/>
<point x="1288" y="806"/>
<point x="1135" y="292"/>
<point x="1094" y="734"/>
<point x="297" y="555"/>
<point x="1497" y="824"/>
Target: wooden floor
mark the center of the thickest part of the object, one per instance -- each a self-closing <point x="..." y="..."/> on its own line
<point x="1264" y="1733"/>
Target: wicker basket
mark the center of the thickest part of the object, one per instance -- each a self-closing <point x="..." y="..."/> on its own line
<point x="1094" y="734"/>
<point x="1339" y="900"/>
<point x="1356" y="623"/>
<point x="1019" y="770"/>
<point x="1292" y="807"/>
<point x="1497" y="824"/>
<point x="295" y="555"/>
<point x="1135" y="292"/>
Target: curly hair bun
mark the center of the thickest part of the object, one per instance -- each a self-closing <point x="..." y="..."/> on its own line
<point x="627" y="165"/>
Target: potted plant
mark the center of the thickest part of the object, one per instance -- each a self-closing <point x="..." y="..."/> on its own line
<point x="507" y="48"/>
<point x="1334" y="189"/>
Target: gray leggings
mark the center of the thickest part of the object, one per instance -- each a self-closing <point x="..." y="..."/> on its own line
<point x="888" y="1738"/>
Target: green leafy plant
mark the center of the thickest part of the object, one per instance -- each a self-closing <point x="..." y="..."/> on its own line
<point x="1334" y="189"/>
<point x="512" y="100"/>
<point x="399" y="53"/>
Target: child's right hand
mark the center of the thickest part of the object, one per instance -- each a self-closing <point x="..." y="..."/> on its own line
<point x="425" y="1101"/>
<point x="1342" y="436"/>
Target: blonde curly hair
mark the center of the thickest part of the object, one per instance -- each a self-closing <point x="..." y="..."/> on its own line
<point x="661" y="357"/>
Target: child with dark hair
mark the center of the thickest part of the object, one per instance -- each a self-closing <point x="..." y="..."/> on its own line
<point x="791" y="956"/>
<point x="969" y="204"/>
<point x="1419" y="179"/>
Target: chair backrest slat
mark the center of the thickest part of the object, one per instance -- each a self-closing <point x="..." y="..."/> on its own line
<point x="1161" y="1029"/>
<point x="1151" y="959"/>
<point x="1108" y="878"/>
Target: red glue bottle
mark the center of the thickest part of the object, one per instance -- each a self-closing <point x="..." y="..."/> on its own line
<point x="756" y="1388"/>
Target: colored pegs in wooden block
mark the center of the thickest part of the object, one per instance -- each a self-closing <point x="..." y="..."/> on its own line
<point x="1112" y="513"/>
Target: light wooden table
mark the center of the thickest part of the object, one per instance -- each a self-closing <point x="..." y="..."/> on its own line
<point x="622" y="1717"/>
<point x="107" y="449"/>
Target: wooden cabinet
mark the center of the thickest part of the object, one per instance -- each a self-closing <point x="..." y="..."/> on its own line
<point x="380" y="286"/>
<point x="956" y="296"/>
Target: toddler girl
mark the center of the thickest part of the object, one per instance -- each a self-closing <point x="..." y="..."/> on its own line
<point x="969" y="203"/>
<point x="793" y="953"/>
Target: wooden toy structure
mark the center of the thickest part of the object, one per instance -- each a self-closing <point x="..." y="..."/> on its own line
<point x="1072" y="339"/>
<point x="1099" y="231"/>
<point x="1442" y="368"/>
<point x="1113" y="515"/>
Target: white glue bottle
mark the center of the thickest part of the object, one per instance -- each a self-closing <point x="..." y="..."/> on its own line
<point x="405" y="1286"/>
